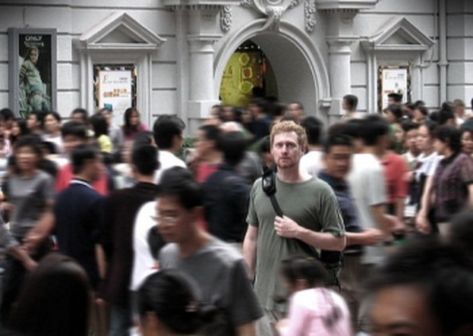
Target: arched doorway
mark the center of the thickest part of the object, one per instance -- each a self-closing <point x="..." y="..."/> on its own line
<point x="296" y="65"/>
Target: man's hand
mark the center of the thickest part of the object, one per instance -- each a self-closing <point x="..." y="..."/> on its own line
<point x="373" y="236"/>
<point x="422" y="224"/>
<point x="286" y="227"/>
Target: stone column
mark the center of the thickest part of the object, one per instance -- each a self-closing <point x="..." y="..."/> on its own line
<point x="339" y="72"/>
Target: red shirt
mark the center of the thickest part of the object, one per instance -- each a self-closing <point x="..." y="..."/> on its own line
<point x="65" y="176"/>
<point x="395" y="170"/>
<point x="204" y="170"/>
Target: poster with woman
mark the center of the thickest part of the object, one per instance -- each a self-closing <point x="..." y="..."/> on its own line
<point x="33" y="71"/>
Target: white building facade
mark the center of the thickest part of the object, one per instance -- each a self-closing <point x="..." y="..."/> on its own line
<point x="319" y="50"/>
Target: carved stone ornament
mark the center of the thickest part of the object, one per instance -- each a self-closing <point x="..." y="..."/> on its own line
<point x="309" y="13"/>
<point x="272" y="9"/>
<point x="226" y="18"/>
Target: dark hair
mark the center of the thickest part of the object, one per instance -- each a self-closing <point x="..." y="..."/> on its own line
<point x="143" y="138"/>
<point x="39" y="116"/>
<point x="99" y="125"/>
<point x="54" y="300"/>
<point x="419" y="103"/>
<point x="260" y="103"/>
<point x="450" y="136"/>
<point x="212" y="133"/>
<point x="145" y="159"/>
<point x="169" y="295"/>
<point x="73" y="128"/>
<point x="372" y="128"/>
<point x="165" y="128"/>
<point x="304" y="268"/>
<point x="178" y="182"/>
<point x="55" y="116"/>
<point x="445" y="114"/>
<point x="337" y="140"/>
<point x="409" y="125"/>
<point x="396" y="111"/>
<point x="352" y="101"/>
<point x="80" y="110"/>
<point x="397" y="97"/>
<point x="6" y="114"/>
<point x="443" y="271"/>
<point x="313" y="127"/>
<point x="431" y="127"/>
<point x="423" y="110"/>
<point x="23" y="130"/>
<point x="80" y="155"/>
<point x="33" y="142"/>
<point x="128" y="128"/>
<point x="233" y="145"/>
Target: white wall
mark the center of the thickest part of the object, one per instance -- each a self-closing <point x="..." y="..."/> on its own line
<point x="74" y="17"/>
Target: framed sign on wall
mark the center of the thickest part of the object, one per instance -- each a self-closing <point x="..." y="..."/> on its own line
<point x="393" y="80"/>
<point x="32" y="73"/>
<point x="115" y="89"/>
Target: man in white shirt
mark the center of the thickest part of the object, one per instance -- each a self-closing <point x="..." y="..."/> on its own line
<point x="311" y="163"/>
<point x="368" y="185"/>
<point x="167" y="133"/>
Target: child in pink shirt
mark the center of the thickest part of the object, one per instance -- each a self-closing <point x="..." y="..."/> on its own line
<point x="313" y="309"/>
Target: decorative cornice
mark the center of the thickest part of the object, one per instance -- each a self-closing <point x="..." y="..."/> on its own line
<point x="226" y="18"/>
<point x="272" y="9"/>
<point x="309" y="14"/>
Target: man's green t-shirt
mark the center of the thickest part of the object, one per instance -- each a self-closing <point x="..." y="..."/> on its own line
<point x="311" y="204"/>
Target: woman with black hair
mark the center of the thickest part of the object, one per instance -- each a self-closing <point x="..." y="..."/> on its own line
<point x="313" y="309"/>
<point x="52" y="130"/>
<point x="100" y="127"/>
<point x="132" y="124"/>
<point x="54" y="300"/>
<point x="453" y="179"/>
<point x="167" y="305"/>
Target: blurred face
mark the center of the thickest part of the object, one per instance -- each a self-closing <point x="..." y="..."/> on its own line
<point x="32" y="122"/>
<point x="108" y="116"/>
<point x="411" y="141"/>
<point x="15" y="130"/>
<point x="398" y="134"/>
<point x="70" y="142"/>
<point x="338" y="161"/>
<point x="51" y="124"/>
<point x="175" y="222"/>
<point x="203" y="146"/>
<point x="94" y="169"/>
<point x="418" y="115"/>
<point x="286" y="150"/>
<point x="440" y="147"/>
<point x="26" y="159"/>
<point x="402" y="311"/>
<point x="228" y="114"/>
<point x="467" y="143"/>
<point x="78" y="117"/>
<point x="459" y="111"/>
<point x="389" y="117"/>
<point x="254" y="110"/>
<point x="135" y="118"/>
<point x="295" y="111"/>
<point x="424" y="141"/>
<point x="34" y="54"/>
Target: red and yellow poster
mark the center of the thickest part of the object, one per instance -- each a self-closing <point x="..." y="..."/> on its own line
<point x="244" y="71"/>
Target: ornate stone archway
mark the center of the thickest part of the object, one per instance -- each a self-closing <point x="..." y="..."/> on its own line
<point x="298" y="64"/>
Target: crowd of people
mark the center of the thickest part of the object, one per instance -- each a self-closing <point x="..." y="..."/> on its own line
<point x="270" y="223"/>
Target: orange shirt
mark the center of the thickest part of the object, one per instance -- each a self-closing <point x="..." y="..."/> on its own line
<point x="65" y="176"/>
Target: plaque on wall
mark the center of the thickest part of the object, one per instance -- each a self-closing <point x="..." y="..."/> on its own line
<point x="393" y="80"/>
<point x="32" y="71"/>
<point x="115" y="89"/>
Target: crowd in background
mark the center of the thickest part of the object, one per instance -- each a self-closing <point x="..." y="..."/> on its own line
<point x="265" y="222"/>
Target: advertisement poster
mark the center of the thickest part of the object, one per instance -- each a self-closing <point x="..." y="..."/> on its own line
<point x="394" y="80"/>
<point x="115" y="92"/>
<point x="244" y="71"/>
<point x="33" y="60"/>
